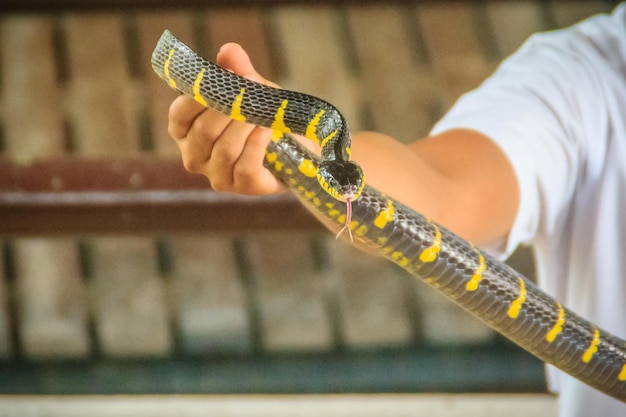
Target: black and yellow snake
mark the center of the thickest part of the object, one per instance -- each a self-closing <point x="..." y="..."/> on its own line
<point x="333" y="185"/>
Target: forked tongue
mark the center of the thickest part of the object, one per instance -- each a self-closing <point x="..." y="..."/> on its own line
<point x="346" y="226"/>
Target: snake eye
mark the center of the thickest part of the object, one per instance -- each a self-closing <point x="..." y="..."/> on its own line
<point x="341" y="179"/>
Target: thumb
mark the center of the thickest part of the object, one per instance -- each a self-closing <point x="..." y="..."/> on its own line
<point x="233" y="57"/>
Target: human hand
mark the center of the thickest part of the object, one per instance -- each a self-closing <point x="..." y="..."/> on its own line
<point x="229" y="153"/>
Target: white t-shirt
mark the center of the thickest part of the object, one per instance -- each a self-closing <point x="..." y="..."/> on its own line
<point x="557" y="107"/>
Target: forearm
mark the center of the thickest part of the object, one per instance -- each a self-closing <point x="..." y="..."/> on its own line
<point x="460" y="179"/>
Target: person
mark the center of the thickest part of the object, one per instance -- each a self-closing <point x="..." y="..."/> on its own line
<point x="535" y="155"/>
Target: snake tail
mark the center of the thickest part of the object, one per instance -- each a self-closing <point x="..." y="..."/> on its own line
<point x="488" y="288"/>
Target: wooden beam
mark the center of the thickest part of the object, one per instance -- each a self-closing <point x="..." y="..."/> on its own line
<point x="40" y="5"/>
<point x="68" y="195"/>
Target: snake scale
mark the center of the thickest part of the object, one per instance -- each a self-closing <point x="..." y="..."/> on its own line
<point x="494" y="292"/>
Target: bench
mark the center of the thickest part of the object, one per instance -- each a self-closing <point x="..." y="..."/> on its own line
<point x="112" y="254"/>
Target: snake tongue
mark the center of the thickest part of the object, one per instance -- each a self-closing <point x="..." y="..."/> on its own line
<point x="346" y="226"/>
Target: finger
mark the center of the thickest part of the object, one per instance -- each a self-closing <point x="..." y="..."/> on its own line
<point x="182" y="113"/>
<point x="249" y="174"/>
<point x="196" y="148"/>
<point x="225" y="153"/>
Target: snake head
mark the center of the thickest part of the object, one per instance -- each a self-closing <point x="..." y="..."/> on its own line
<point x="343" y="180"/>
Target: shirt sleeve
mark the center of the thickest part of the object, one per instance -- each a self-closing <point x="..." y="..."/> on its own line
<point x="532" y="107"/>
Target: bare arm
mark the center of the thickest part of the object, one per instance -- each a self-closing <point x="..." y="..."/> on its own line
<point x="459" y="178"/>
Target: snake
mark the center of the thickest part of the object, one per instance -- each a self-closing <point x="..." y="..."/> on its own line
<point x="333" y="187"/>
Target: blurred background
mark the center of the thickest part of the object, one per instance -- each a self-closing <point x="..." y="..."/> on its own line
<point x="122" y="274"/>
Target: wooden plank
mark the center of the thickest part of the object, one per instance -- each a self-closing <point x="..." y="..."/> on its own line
<point x="461" y="61"/>
<point x="135" y="173"/>
<point x="514" y="22"/>
<point x="363" y="405"/>
<point x="39" y="5"/>
<point x="129" y="302"/>
<point x="6" y="338"/>
<point x="291" y="293"/>
<point x="376" y="300"/>
<point x="247" y="27"/>
<point x="158" y="98"/>
<point x="444" y="323"/>
<point x="223" y="25"/>
<point x="102" y="99"/>
<point x="311" y="46"/>
<point x="52" y="307"/>
<point x="312" y="58"/>
<point x="567" y="13"/>
<point x="400" y="88"/>
<point x="211" y="311"/>
<point x="454" y="46"/>
<point x="209" y="298"/>
<point x="33" y="116"/>
<point x="131" y="310"/>
<point x="163" y="211"/>
<point x="52" y="319"/>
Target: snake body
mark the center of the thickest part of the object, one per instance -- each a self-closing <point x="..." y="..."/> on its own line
<point x="494" y="292"/>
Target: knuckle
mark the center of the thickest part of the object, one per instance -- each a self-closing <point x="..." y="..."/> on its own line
<point x="221" y="179"/>
<point x="176" y="126"/>
<point x="194" y="157"/>
<point x="210" y="125"/>
<point x="216" y="185"/>
<point x="246" y="174"/>
<point x="206" y="127"/>
<point x="227" y="155"/>
<point x="174" y="110"/>
<point x="260" y="137"/>
<point x="220" y="184"/>
<point x="192" y="164"/>
<point x="174" y="131"/>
